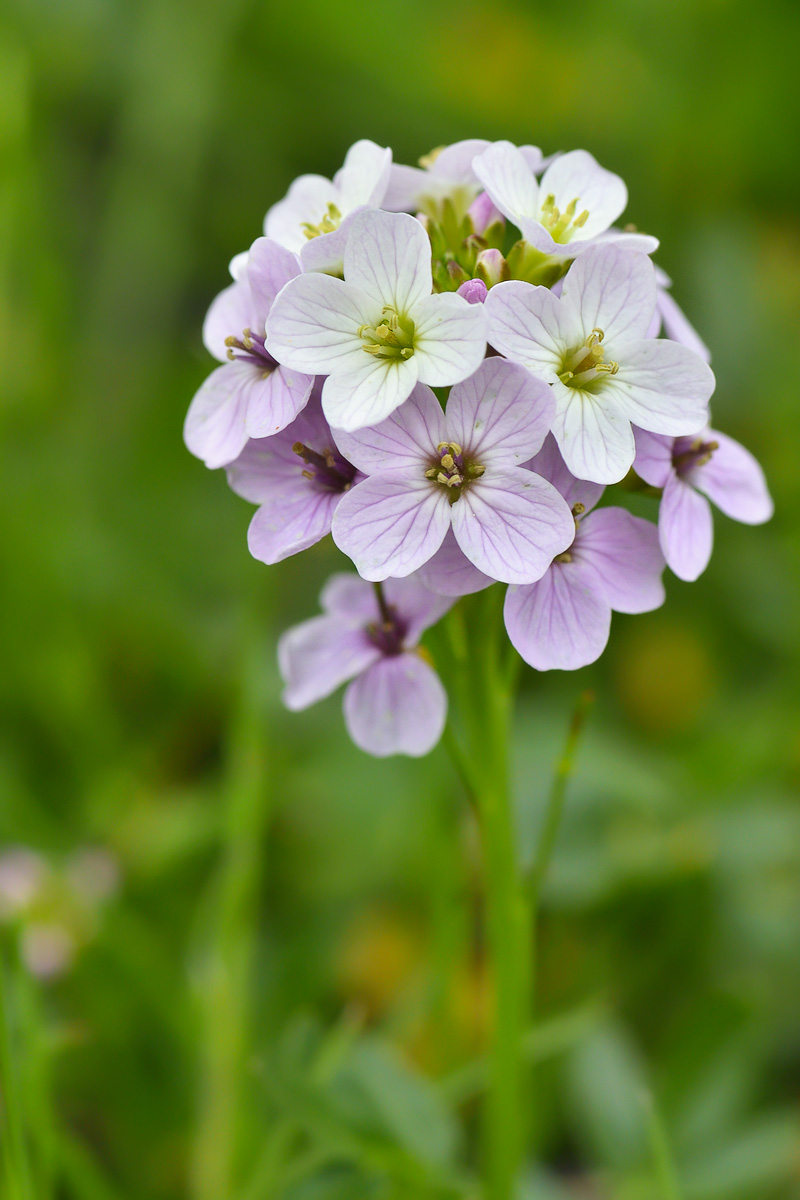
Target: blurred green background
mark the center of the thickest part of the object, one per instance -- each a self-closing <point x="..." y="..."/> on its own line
<point x="292" y="952"/>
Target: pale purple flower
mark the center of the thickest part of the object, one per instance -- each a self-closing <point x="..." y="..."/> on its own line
<point x="672" y="321"/>
<point x="614" y="563"/>
<point x="571" y="207"/>
<point x="395" y="703"/>
<point x="297" y="478"/>
<point x="591" y="345"/>
<point x="445" y="173"/>
<point x="251" y="396"/>
<point x="315" y="216"/>
<point x="430" y="470"/>
<point x="710" y="463"/>
<point x="379" y="330"/>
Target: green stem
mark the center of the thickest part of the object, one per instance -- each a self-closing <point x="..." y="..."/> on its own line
<point x="16" y="1161"/>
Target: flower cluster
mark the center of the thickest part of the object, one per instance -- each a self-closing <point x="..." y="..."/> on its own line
<point x="445" y="367"/>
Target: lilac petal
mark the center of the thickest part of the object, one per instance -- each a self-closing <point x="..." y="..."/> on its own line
<point x="613" y="290"/>
<point x="501" y="413"/>
<point x="314" y="322"/>
<point x="508" y="179"/>
<point x="349" y="596"/>
<point x="678" y="328"/>
<point x="733" y="479"/>
<point x="391" y="524"/>
<point x="530" y="326"/>
<point x="685" y="529"/>
<point x="276" y="400"/>
<point x="562" y="622"/>
<point x="625" y="554"/>
<point x="662" y="387"/>
<point x="534" y="159"/>
<point x="407" y="186"/>
<point x="388" y="258"/>
<point x="449" y="339"/>
<point x="403" y="441"/>
<point x="551" y="466"/>
<point x="578" y="176"/>
<point x="511" y="524"/>
<point x="450" y="573"/>
<point x="231" y="312"/>
<point x="454" y="163"/>
<point x="483" y="213"/>
<point x="398" y="706"/>
<point x="593" y="435"/>
<point x="364" y="176"/>
<point x="653" y="462"/>
<point x="293" y="518"/>
<point x="215" y="429"/>
<point x="368" y="392"/>
<point x="319" y="655"/>
<point x="269" y="267"/>
<point x="417" y="606"/>
<point x="264" y="460"/>
<point x="306" y="202"/>
<point x="326" y="251"/>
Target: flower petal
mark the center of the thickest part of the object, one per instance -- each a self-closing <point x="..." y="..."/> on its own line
<point x="551" y="466"/>
<point x="231" y="312"/>
<point x="500" y="413"/>
<point x="450" y="573"/>
<point x="530" y="326"/>
<point x="614" y="290"/>
<point x="662" y="387"/>
<point x="265" y="461"/>
<point x="626" y="556"/>
<point x="403" y="441"/>
<point x="562" y="622"/>
<point x="509" y="180"/>
<point x="678" y="328"/>
<point x="368" y="392"/>
<point x="306" y="202"/>
<point x="269" y="267"/>
<point x="319" y="655"/>
<point x="593" y="435"/>
<point x="314" y="322"/>
<point x="388" y="258"/>
<point x="418" y="607"/>
<point x="391" y="524"/>
<point x="398" y="706"/>
<point x="326" y="251"/>
<point x="685" y="529"/>
<point x="578" y="176"/>
<point x="215" y="429"/>
<point x="511" y="524"/>
<point x="653" y="462"/>
<point x="292" y="519"/>
<point x="449" y="339"/>
<point x="733" y="479"/>
<point x="348" y="595"/>
<point x="364" y="176"/>
<point x="276" y="400"/>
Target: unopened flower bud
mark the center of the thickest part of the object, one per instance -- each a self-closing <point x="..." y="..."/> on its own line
<point x="474" y="291"/>
<point x="483" y="213"/>
<point x="491" y="267"/>
<point x="456" y="272"/>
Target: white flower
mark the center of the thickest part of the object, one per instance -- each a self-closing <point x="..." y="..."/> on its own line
<point x="379" y="331"/>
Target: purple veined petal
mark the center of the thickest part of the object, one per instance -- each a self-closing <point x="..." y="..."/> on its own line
<point x="613" y="290"/>
<point x="406" y="440"/>
<point x="306" y="202"/>
<point x="269" y="267"/>
<point x="454" y="163"/>
<point x="626" y="556"/>
<point x="369" y="392"/>
<point x="417" y="606"/>
<point x="733" y="479"/>
<point x="314" y="322"/>
<point x="325" y="252"/>
<point x="662" y="387"/>
<point x="511" y="523"/>
<point x="351" y="597"/>
<point x="388" y="258"/>
<point x="319" y="655"/>
<point x="264" y="460"/>
<point x="214" y="429"/>
<point x="654" y="328"/>
<point x="551" y="466"/>
<point x="653" y="462"/>
<point x="450" y="573"/>
<point x="593" y="435"/>
<point x="678" y="328"/>
<point x="276" y="400"/>
<point x="531" y="326"/>
<point x="391" y="524"/>
<point x="562" y="622"/>
<point x="364" y="176"/>
<point x="294" y="517"/>
<point x="623" y="239"/>
<point x="578" y="176"/>
<point x="231" y="312"/>
<point x="506" y="176"/>
<point x="449" y="339"/>
<point x="501" y="413"/>
<point x="398" y="706"/>
<point x="685" y="529"/>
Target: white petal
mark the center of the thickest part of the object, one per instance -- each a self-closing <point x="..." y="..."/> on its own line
<point x="662" y="387"/>
<point x="364" y="176"/>
<point x="501" y="413"/>
<point x="306" y="202"/>
<point x="613" y="290"/>
<point x="578" y="176"/>
<point x="388" y="258"/>
<point x="531" y="326"/>
<point x="593" y="435"/>
<point x="508" y="179"/>
<point x="449" y="339"/>
<point x="403" y="441"/>
<point x="368" y="392"/>
<point x="314" y="323"/>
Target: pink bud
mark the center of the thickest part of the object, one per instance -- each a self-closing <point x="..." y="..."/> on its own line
<point x="483" y="213"/>
<point x="491" y="267"/>
<point x="474" y="291"/>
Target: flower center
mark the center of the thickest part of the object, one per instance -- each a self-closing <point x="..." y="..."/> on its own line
<point x="250" y="348"/>
<point x="696" y="454"/>
<point x="561" y="226"/>
<point x="584" y="366"/>
<point x="452" y="470"/>
<point x="329" y="222"/>
<point x="388" y="633"/>
<point x="328" y="470"/>
<point x="577" y="511"/>
<point x="392" y="338"/>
